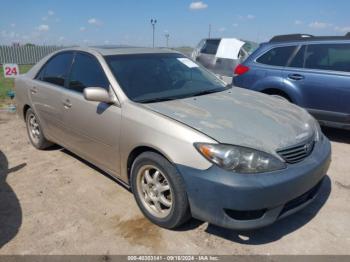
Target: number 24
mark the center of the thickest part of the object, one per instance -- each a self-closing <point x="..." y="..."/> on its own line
<point x="10" y="71"/>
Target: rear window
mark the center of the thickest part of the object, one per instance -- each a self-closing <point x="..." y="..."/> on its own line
<point x="278" y="56"/>
<point x="211" y="46"/>
<point x="335" y="57"/>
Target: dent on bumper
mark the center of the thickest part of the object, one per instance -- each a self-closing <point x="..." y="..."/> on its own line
<point x="216" y="195"/>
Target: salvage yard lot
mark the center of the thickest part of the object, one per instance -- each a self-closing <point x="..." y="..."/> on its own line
<point x="52" y="202"/>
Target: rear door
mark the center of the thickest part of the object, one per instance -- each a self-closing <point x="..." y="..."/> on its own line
<point x="94" y="126"/>
<point x="322" y="74"/>
<point x="46" y="92"/>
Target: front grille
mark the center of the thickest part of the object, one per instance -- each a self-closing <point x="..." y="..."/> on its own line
<point x="297" y="153"/>
<point x="245" y="215"/>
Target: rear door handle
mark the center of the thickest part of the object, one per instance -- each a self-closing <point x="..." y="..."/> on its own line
<point x="33" y="90"/>
<point x="67" y="104"/>
<point x="296" y="76"/>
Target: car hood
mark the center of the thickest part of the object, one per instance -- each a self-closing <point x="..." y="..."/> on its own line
<point x="242" y="117"/>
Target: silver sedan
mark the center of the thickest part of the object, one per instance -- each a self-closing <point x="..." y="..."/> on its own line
<point x="185" y="143"/>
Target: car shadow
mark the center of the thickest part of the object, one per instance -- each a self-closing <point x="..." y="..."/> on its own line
<point x="279" y="229"/>
<point x="337" y="135"/>
<point x="10" y="208"/>
<point x="114" y="179"/>
<point x="264" y="235"/>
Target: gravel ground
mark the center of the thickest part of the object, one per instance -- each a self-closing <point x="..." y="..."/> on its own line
<point x="52" y="202"/>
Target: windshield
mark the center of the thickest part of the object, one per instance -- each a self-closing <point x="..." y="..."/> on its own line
<point x="153" y="77"/>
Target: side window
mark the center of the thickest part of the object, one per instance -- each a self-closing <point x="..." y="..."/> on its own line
<point x="200" y="45"/>
<point x="278" y="56"/>
<point x="55" y="71"/>
<point x="86" y="72"/>
<point x="211" y="46"/>
<point x="298" y="60"/>
<point x="334" y="57"/>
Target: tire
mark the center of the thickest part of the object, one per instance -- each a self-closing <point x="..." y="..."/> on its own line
<point x="146" y="190"/>
<point x="35" y="132"/>
<point x="282" y="97"/>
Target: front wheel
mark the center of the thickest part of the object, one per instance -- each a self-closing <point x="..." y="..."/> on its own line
<point x="159" y="190"/>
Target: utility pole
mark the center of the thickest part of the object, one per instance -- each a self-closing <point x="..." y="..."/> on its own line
<point x="209" y="31"/>
<point x="167" y="35"/>
<point x="153" y="23"/>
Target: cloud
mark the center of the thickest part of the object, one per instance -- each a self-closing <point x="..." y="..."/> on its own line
<point x="82" y="28"/>
<point x="50" y="12"/>
<point x="43" y="28"/>
<point x="246" y="17"/>
<point x="298" y="22"/>
<point x="44" y="18"/>
<point x="222" y="29"/>
<point x="319" y="25"/>
<point x="344" y="29"/>
<point x="94" y="21"/>
<point x="61" y="38"/>
<point x="13" y="25"/>
<point x="235" y="25"/>
<point x="198" y="5"/>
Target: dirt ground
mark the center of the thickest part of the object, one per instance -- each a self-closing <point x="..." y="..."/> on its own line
<point x="51" y="202"/>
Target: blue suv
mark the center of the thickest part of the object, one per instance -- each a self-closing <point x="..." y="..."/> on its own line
<point x="312" y="72"/>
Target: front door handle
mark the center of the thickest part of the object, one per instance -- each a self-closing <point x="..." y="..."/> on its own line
<point x="296" y="76"/>
<point x="67" y="104"/>
<point x="33" y="90"/>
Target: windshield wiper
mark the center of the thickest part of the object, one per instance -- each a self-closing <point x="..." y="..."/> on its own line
<point x="154" y="100"/>
<point x="206" y="92"/>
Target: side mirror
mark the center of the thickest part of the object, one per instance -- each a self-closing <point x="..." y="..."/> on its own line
<point x="97" y="94"/>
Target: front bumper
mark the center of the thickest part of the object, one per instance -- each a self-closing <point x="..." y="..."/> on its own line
<point x="248" y="201"/>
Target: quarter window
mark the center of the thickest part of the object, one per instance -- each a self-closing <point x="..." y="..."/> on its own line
<point x="334" y="57"/>
<point x="278" y="56"/>
<point x="56" y="69"/>
<point x="86" y="72"/>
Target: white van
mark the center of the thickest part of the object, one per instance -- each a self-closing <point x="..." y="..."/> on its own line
<point x="222" y="55"/>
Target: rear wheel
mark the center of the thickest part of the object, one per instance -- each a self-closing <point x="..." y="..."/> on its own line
<point x="159" y="190"/>
<point x="277" y="93"/>
<point x="282" y="97"/>
<point x="34" y="131"/>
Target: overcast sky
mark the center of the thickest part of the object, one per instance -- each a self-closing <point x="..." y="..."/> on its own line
<point x="128" y="21"/>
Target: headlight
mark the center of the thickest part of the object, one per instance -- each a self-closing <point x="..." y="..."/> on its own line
<point x="239" y="159"/>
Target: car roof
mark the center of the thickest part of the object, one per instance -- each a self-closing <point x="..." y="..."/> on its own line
<point x="306" y="38"/>
<point x="121" y="50"/>
<point x="299" y="42"/>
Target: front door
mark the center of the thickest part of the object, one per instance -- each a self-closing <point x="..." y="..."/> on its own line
<point x="94" y="126"/>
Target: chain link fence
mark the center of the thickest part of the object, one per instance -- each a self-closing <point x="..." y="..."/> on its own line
<point x="25" y="55"/>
